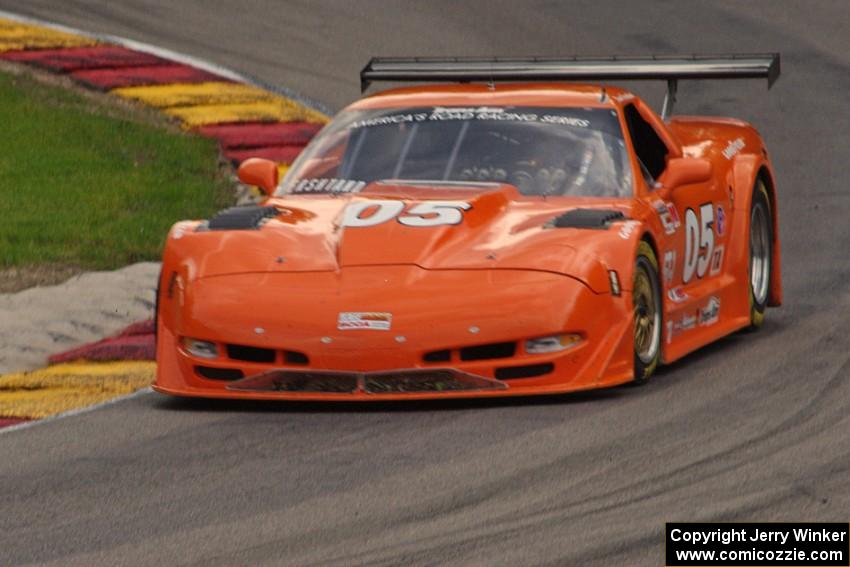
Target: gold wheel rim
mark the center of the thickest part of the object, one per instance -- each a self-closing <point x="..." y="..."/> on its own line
<point x="646" y="316"/>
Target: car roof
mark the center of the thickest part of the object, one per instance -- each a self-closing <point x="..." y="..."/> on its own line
<point x="499" y="94"/>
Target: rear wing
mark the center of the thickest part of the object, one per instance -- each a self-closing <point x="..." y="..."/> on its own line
<point x="667" y="68"/>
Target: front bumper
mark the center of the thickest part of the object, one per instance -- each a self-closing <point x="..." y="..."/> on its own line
<point x="450" y="313"/>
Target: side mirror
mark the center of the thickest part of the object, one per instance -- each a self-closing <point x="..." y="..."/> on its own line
<point x="686" y="170"/>
<point x="260" y="172"/>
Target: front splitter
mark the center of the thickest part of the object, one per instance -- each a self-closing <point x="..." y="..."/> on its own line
<point x="402" y="381"/>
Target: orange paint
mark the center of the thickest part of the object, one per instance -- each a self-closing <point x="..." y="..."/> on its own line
<point x="426" y="296"/>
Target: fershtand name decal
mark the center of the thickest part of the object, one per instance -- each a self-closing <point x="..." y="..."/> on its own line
<point x="328" y="185"/>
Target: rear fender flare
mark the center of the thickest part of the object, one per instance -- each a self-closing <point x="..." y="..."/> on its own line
<point x="743" y="175"/>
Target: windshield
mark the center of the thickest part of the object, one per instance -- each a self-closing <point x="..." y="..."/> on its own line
<point x="542" y="151"/>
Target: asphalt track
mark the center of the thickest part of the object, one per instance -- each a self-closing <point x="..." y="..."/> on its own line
<point x="753" y="428"/>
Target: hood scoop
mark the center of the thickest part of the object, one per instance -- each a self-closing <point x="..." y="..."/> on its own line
<point x="241" y="218"/>
<point x="587" y="218"/>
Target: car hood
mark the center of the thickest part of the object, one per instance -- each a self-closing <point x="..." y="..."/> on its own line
<point x="500" y="229"/>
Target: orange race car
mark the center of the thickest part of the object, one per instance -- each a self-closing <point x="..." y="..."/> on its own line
<point x="493" y="238"/>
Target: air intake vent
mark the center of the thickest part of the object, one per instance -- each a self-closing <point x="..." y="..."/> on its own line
<point x="530" y="371"/>
<point x="587" y="218"/>
<point x="411" y="381"/>
<point x="241" y="218"/>
<point x="300" y="381"/>
<point x="211" y="373"/>
<point x="437" y="356"/>
<point x="295" y="357"/>
<point x="486" y="352"/>
<point x="250" y="354"/>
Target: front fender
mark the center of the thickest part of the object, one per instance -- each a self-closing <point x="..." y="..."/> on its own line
<point x="588" y="254"/>
<point x="616" y="249"/>
<point x="178" y="270"/>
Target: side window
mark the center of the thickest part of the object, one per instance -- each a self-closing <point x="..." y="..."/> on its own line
<point x="650" y="149"/>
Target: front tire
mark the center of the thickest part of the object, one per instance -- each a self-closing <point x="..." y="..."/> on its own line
<point x="760" y="254"/>
<point x="647" y="307"/>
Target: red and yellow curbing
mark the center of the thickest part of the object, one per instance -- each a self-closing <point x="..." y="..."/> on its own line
<point x="18" y="36"/>
<point x="87" y="375"/>
<point x="167" y="74"/>
<point x="194" y="94"/>
<point x="197" y="98"/>
<point x="136" y="342"/>
<point x="63" y="387"/>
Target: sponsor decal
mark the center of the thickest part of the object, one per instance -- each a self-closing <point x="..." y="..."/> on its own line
<point x="565" y="121"/>
<point x="449" y="113"/>
<point x="669" y="216"/>
<point x="709" y="314"/>
<point x="677" y="295"/>
<point x="733" y="148"/>
<point x="401" y="118"/>
<point x="716" y="261"/>
<point x="669" y="268"/>
<point x="674" y="213"/>
<point x="686" y="323"/>
<point x="368" y="320"/>
<point x="675" y="328"/>
<point x="627" y="229"/>
<point x="720" y="223"/>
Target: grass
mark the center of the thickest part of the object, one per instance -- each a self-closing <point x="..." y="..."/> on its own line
<point x="85" y="181"/>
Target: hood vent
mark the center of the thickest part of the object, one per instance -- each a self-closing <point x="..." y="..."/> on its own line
<point x="588" y="218"/>
<point x="241" y="218"/>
